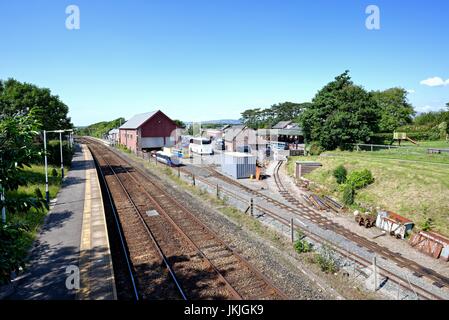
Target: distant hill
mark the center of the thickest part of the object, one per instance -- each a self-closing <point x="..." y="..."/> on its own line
<point x="99" y="129"/>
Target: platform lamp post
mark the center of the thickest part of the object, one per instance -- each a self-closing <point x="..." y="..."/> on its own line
<point x="47" y="193"/>
<point x="60" y="148"/>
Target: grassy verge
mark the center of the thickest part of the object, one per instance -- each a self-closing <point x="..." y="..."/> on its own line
<point x="21" y="228"/>
<point x="35" y="177"/>
<point x="409" y="182"/>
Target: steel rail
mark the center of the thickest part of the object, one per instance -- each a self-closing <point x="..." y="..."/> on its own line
<point x="161" y="210"/>
<point x="119" y="231"/>
<point x="319" y="239"/>
<point x="303" y="211"/>
<point x="196" y="219"/>
<point x="150" y="233"/>
<point x="350" y="255"/>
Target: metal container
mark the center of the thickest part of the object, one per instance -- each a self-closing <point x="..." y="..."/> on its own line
<point x="238" y="165"/>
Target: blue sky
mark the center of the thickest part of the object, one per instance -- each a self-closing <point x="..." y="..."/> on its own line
<point x="212" y="59"/>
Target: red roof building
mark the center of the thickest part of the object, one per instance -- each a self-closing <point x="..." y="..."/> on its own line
<point x="151" y="130"/>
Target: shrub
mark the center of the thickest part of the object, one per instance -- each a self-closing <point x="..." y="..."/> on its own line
<point x="54" y="172"/>
<point x="14" y="244"/>
<point x="38" y="193"/>
<point x="301" y="245"/>
<point x="427" y="225"/>
<point x="326" y="260"/>
<point x="340" y="174"/>
<point x="315" y="149"/>
<point x="360" y="179"/>
<point x="348" y="194"/>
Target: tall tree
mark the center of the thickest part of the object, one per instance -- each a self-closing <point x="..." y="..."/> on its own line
<point x="341" y="113"/>
<point x="19" y="99"/>
<point x="180" y="124"/>
<point x="252" y="117"/>
<point x="394" y="108"/>
<point x="266" y="118"/>
<point x="17" y="152"/>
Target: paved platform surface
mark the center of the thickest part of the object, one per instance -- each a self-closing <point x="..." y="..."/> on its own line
<point x="71" y="258"/>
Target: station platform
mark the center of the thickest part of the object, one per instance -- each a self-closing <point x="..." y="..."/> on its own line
<point x="71" y="258"/>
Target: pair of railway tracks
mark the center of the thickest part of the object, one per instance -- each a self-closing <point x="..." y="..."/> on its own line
<point x="300" y="210"/>
<point x="172" y="254"/>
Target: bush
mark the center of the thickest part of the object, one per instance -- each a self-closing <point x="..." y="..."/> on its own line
<point x="326" y="260"/>
<point x="38" y="193"/>
<point x="348" y="194"/>
<point x="360" y="179"/>
<point x="427" y="225"/>
<point x="14" y="241"/>
<point x="54" y="172"/>
<point x="340" y="174"/>
<point x="302" y="246"/>
<point x="315" y="149"/>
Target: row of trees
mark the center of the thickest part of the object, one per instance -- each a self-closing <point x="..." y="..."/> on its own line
<point x="20" y="99"/>
<point x="99" y="129"/>
<point x="266" y="118"/>
<point x="340" y="114"/>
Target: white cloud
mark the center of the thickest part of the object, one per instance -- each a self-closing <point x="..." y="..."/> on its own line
<point x="435" y="82"/>
<point x="426" y="108"/>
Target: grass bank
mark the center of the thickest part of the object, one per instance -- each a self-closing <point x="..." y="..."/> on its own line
<point x="407" y="181"/>
<point x="18" y="234"/>
<point x="35" y="177"/>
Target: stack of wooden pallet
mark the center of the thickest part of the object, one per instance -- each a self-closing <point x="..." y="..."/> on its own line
<point x="322" y="203"/>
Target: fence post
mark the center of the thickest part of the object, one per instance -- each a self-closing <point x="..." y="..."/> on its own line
<point x="372" y="148"/>
<point x="292" y="230"/>
<point x="375" y="273"/>
<point x="179" y="172"/>
<point x="218" y="191"/>
<point x="193" y="176"/>
<point x="252" y="207"/>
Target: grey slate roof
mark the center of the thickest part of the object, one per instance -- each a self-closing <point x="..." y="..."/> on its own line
<point x="233" y="132"/>
<point x="286" y="125"/>
<point x="139" y="119"/>
<point x="281" y="124"/>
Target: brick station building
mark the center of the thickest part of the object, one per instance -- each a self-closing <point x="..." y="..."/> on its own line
<point x="151" y="130"/>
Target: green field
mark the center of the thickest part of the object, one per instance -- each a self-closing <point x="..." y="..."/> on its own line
<point x="407" y="181"/>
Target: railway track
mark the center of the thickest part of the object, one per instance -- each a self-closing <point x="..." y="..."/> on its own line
<point x="419" y="270"/>
<point x="301" y="211"/>
<point x="173" y="254"/>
